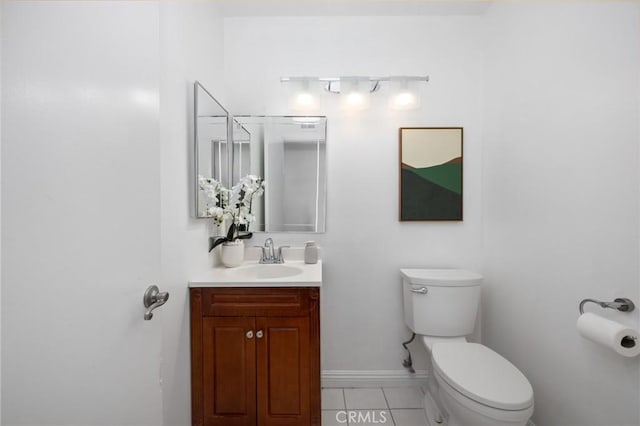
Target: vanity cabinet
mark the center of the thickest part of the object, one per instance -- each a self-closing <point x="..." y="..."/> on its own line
<point x="255" y="356"/>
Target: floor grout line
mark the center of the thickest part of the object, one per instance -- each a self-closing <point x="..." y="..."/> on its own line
<point x="344" y="399"/>
<point x="393" y="421"/>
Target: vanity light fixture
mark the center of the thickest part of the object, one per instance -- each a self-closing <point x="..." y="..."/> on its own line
<point x="404" y="94"/>
<point x="355" y="91"/>
<point x="305" y="96"/>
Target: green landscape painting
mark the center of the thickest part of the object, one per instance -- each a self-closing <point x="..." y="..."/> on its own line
<point x="430" y="173"/>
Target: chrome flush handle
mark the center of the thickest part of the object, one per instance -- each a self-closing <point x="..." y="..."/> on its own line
<point x="421" y="290"/>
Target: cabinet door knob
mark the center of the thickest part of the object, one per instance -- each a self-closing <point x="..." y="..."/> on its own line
<point x="259" y="334"/>
<point x="250" y="334"/>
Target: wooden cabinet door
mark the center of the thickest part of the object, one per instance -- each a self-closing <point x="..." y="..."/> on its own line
<point x="283" y="365"/>
<point x="229" y="371"/>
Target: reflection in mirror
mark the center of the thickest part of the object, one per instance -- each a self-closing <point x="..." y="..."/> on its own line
<point x="211" y="158"/>
<point x="290" y="153"/>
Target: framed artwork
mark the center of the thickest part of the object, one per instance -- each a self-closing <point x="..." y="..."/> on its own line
<point x="430" y="173"/>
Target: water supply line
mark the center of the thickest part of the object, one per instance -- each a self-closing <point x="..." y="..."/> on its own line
<point x="408" y="362"/>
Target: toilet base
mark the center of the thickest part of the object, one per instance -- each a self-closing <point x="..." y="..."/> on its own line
<point x="462" y="411"/>
<point x="432" y="410"/>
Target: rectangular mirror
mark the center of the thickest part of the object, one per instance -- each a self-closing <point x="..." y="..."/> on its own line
<point x="290" y="153"/>
<point x="210" y="151"/>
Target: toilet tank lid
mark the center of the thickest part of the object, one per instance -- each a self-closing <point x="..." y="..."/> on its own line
<point x="482" y="375"/>
<point x="441" y="277"/>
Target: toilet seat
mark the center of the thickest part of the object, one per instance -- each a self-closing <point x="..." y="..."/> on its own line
<point x="482" y="375"/>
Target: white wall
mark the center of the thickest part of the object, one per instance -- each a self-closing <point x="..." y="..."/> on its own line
<point x="191" y="35"/>
<point x="362" y="323"/>
<point x="561" y="200"/>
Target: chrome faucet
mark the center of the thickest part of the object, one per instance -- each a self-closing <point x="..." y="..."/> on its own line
<point x="268" y="244"/>
<point x="269" y="255"/>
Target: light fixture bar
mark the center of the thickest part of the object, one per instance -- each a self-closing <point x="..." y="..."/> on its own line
<point x="424" y="78"/>
<point x="354" y="91"/>
<point x="332" y="84"/>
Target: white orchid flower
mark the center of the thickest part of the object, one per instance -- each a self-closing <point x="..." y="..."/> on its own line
<point x="234" y="203"/>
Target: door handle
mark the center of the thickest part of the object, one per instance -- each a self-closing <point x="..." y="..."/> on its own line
<point x="250" y="334"/>
<point x="152" y="299"/>
<point x="259" y="334"/>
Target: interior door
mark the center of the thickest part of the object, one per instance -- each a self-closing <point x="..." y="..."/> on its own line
<point x="80" y="217"/>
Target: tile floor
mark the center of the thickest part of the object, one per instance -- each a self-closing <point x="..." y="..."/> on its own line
<point x="401" y="406"/>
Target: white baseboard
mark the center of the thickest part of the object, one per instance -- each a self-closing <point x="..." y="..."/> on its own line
<point x="372" y="378"/>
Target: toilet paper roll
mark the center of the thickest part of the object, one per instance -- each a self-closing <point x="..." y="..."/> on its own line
<point x="612" y="334"/>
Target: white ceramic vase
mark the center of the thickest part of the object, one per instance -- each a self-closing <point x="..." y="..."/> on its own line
<point x="232" y="253"/>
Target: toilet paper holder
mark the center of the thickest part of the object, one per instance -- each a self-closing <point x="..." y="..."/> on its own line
<point x="621" y="304"/>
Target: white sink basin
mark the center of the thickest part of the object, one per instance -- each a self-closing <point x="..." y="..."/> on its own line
<point x="292" y="273"/>
<point x="265" y="272"/>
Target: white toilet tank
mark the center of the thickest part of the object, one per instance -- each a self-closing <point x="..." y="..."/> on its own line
<point x="440" y="302"/>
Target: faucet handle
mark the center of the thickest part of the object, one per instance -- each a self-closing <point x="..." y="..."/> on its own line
<point x="264" y="253"/>
<point x="280" y="259"/>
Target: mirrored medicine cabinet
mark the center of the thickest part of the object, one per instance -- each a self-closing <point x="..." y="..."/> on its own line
<point x="289" y="152"/>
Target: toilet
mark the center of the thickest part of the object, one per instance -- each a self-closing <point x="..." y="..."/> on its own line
<point x="473" y="386"/>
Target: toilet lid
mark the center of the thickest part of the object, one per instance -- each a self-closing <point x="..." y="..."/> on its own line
<point x="482" y="375"/>
<point x="441" y="277"/>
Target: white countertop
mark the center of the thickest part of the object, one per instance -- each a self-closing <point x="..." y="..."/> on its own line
<point x="309" y="275"/>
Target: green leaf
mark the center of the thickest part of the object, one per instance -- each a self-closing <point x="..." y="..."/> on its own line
<point x="216" y="241"/>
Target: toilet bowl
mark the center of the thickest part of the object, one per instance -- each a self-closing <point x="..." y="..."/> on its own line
<point x="478" y="387"/>
<point x="470" y="384"/>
